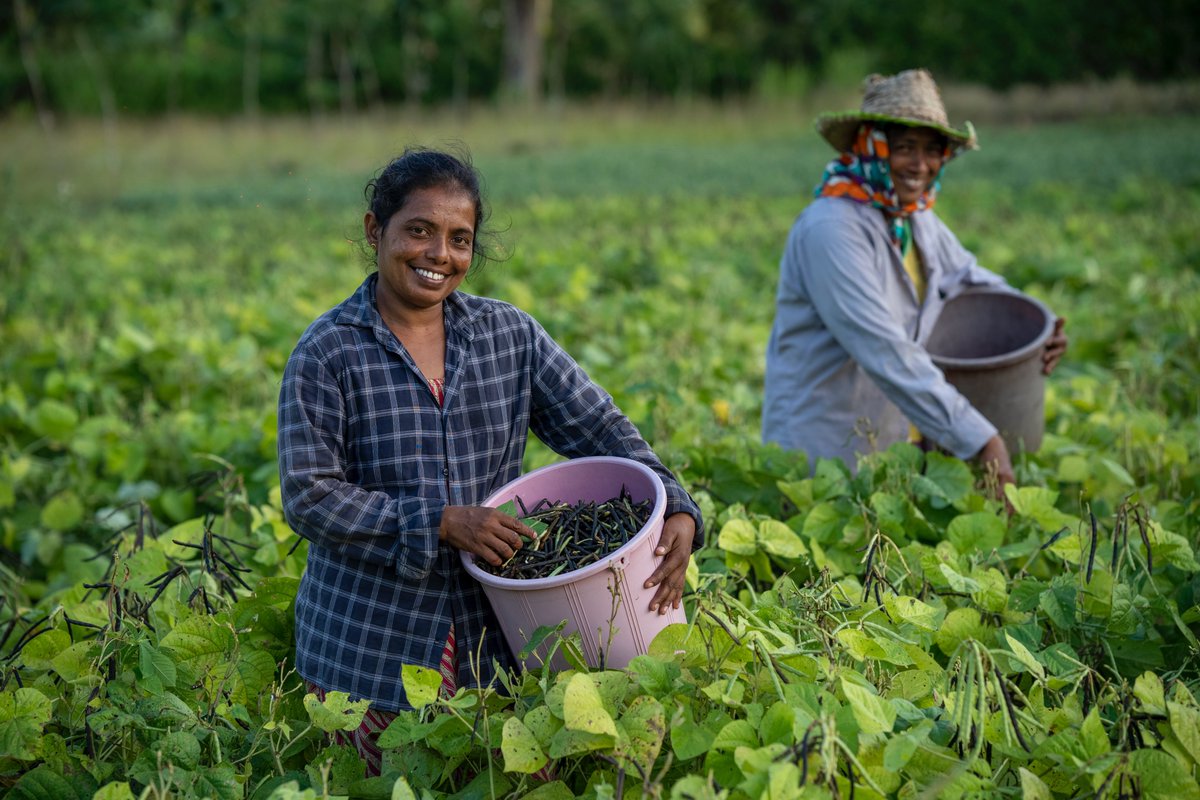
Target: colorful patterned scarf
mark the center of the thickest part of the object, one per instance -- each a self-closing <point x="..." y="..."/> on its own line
<point x="863" y="175"/>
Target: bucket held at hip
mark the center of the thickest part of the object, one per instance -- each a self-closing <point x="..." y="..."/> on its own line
<point x="604" y="602"/>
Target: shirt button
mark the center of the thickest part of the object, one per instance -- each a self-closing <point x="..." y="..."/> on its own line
<point x="446" y="471"/>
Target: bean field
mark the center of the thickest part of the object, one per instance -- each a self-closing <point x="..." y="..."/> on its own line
<point x="891" y="633"/>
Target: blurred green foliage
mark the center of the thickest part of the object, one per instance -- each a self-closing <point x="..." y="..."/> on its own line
<point x="146" y="57"/>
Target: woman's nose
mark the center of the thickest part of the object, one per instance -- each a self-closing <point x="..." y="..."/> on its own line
<point x="437" y="250"/>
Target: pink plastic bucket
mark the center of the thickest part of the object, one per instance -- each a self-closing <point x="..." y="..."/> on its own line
<point x="604" y="602"/>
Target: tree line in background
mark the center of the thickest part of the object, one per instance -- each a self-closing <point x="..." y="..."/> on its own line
<point x="249" y="57"/>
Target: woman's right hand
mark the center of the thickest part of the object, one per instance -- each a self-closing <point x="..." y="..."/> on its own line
<point x="484" y="532"/>
<point x="994" y="455"/>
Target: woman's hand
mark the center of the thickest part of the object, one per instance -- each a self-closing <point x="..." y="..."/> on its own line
<point x="1056" y="345"/>
<point x="994" y="456"/>
<point x="675" y="546"/>
<point x="484" y="532"/>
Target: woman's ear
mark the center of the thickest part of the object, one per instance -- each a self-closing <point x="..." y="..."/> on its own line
<point x="372" y="230"/>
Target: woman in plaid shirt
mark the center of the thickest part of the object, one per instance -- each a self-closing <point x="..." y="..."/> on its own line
<point x="401" y="410"/>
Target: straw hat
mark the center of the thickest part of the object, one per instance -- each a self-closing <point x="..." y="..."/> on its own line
<point x="908" y="98"/>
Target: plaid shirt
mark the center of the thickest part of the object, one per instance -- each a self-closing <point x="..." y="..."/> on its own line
<point x="368" y="460"/>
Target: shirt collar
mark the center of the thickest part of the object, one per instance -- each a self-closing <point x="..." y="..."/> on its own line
<point x="461" y="310"/>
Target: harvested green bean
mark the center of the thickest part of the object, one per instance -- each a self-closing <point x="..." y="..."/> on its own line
<point x="569" y="537"/>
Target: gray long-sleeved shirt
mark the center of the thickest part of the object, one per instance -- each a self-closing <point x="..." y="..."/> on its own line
<point x="846" y="364"/>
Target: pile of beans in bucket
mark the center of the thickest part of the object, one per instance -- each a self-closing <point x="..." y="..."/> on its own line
<point x="569" y="537"/>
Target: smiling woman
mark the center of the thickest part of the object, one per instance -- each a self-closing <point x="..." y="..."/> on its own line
<point x="866" y="271"/>
<point x="402" y="409"/>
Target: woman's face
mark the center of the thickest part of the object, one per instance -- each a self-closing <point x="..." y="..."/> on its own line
<point x="426" y="248"/>
<point x="915" y="156"/>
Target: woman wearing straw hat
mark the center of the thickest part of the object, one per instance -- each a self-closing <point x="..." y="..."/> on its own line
<point x="866" y="271"/>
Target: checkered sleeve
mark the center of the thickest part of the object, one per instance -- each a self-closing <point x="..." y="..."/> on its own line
<point x="576" y="418"/>
<point x="319" y="502"/>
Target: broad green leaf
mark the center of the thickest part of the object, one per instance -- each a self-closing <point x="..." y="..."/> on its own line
<point x="960" y="624"/>
<point x="977" y="533"/>
<point x="402" y="791"/>
<point x="777" y="724"/>
<point x="882" y="648"/>
<point x="1073" y="469"/>
<point x="179" y="748"/>
<point x="738" y="733"/>
<point x="542" y="722"/>
<point x="337" y="713"/>
<point x="859" y="644"/>
<point x="554" y="790"/>
<point x="255" y="671"/>
<point x="1148" y="688"/>
<point x="1037" y="503"/>
<point x="1027" y="659"/>
<point x="46" y="783"/>
<point x="993" y="590"/>
<point x="201" y="641"/>
<point x="117" y="790"/>
<point x="780" y="540"/>
<point x="39" y="653"/>
<point x="1032" y="787"/>
<point x="913" y="684"/>
<point x="1092" y="735"/>
<point x="642" y="726"/>
<point x="900" y="748"/>
<point x="1185" y="724"/>
<point x="156" y="665"/>
<point x="583" y="708"/>
<point x="874" y="714"/>
<point x="567" y="742"/>
<point x="54" y="419"/>
<point x="830" y="479"/>
<point x="23" y="714"/>
<point x="951" y="475"/>
<point x="63" y="512"/>
<point x="219" y="782"/>
<point x="738" y="536"/>
<point x="912" y="611"/>
<point x="520" y="748"/>
<point x="1162" y="777"/>
<point x="958" y="583"/>
<point x="689" y="740"/>
<point x="421" y="684"/>
<point x="824" y="523"/>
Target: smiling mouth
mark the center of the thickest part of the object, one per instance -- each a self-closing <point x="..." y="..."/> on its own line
<point x="428" y="275"/>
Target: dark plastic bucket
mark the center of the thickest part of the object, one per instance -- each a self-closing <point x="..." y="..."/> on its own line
<point x="989" y="345"/>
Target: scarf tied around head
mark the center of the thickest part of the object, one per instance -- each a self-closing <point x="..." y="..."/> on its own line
<point x="863" y="175"/>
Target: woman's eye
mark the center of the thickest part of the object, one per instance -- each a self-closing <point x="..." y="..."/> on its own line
<point x="462" y="241"/>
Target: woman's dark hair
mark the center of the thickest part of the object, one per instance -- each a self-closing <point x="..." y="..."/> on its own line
<point x="421" y="168"/>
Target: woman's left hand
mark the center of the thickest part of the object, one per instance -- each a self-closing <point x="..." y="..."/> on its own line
<point x="1056" y="345"/>
<point x="675" y="546"/>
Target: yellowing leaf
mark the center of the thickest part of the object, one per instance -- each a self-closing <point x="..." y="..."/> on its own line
<point x="337" y="713"/>
<point x="520" y="748"/>
<point x="583" y="709"/>
<point x="1032" y="787"/>
<point x="738" y="536"/>
<point x="780" y="540"/>
<point x="421" y="684"/>
<point x="911" y="610"/>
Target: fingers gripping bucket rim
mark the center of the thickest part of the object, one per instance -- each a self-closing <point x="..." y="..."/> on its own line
<point x="989" y="345"/>
<point x="604" y="602"/>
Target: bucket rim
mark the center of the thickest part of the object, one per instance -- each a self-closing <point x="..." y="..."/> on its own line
<point x="1007" y="359"/>
<point x="657" y="513"/>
